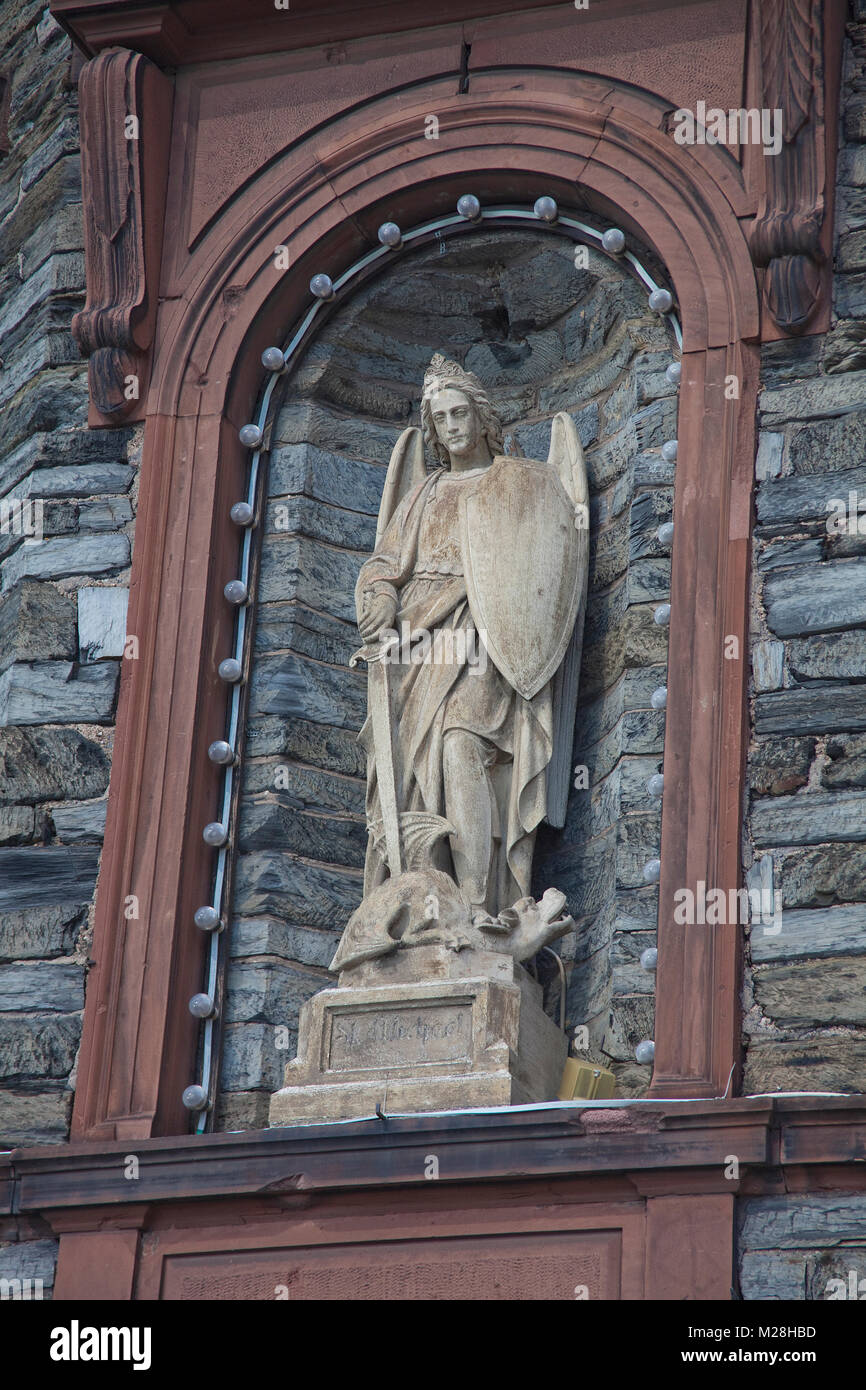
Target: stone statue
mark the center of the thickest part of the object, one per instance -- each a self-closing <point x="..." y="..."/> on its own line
<point x="471" y="609"/>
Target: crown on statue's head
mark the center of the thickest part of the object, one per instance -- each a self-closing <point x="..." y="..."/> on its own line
<point x="443" y="372"/>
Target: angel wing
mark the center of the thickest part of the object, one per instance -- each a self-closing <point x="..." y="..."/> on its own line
<point x="566" y="456"/>
<point x="405" y="470"/>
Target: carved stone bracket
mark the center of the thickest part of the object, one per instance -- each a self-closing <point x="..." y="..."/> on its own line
<point x="786" y="237"/>
<point x="125" y="105"/>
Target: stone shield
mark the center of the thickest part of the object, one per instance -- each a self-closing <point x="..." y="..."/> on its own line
<point x="521" y="558"/>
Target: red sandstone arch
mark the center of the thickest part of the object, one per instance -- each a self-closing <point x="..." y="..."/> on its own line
<point x="588" y="143"/>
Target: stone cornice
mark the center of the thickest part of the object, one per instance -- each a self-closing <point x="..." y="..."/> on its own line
<point x="652" y="1144"/>
<point x="177" y="32"/>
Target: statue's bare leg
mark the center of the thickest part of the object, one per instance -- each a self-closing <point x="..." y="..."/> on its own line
<point x="469" y="808"/>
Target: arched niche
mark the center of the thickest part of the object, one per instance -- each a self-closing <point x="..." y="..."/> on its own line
<point x="580" y="141"/>
<point x="543" y="336"/>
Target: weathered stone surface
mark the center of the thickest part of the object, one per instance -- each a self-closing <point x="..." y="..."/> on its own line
<point x="777" y="766"/>
<point x="850" y="296"/>
<point x="42" y="985"/>
<point x="269" y="991"/>
<point x="634" y="773"/>
<point x="768" y="665"/>
<point x="828" y="446"/>
<point x="40" y="932"/>
<point x="838" y="654"/>
<point x="101" y="622"/>
<point x="271" y="825"/>
<point x="241" y="1110"/>
<point x="30" y="1259"/>
<point x="37" y="623"/>
<point x="800" y="1221"/>
<point x="334" y="749"/>
<point x="250" y="1058"/>
<point x="43" y="764"/>
<point x="789" y="359"/>
<point x="834" y="598"/>
<point x="844" y="348"/>
<point x="38" y="1045"/>
<point x="308" y="788"/>
<point x="835" y="873"/>
<point x="34" y="1118"/>
<point x="773" y="1275"/>
<point x="81" y="820"/>
<point x="595" y="809"/>
<point x="847" y="765"/>
<point x="54" y="559"/>
<point x="533" y="441"/>
<point x="796" y="500"/>
<point x="835" y="1063"/>
<point x="643" y="731"/>
<point x="768" y="460"/>
<point x="632" y="1021"/>
<point x="585" y="872"/>
<point x="647" y="513"/>
<point x="16" y="824"/>
<point x="45" y="876"/>
<point x="290" y="685"/>
<point x="56" y="692"/>
<point x="268" y="936"/>
<point x="303" y="422"/>
<point x="318" y="575"/>
<point x="318" y="521"/>
<point x="830" y="931"/>
<point x="816" y="399"/>
<point x="649" y="580"/>
<point x="293" y="627"/>
<point x="646" y="644"/>
<point x="104" y="514"/>
<point x="627" y="974"/>
<point x="810" y="819"/>
<point x="811" y="710"/>
<point x="832" y="992"/>
<point x="638" y="839"/>
<point x="779" y="554"/>
<point x="282" y="884"/>
<point x="85" y="480"/>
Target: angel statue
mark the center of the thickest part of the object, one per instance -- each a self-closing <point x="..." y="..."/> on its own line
<point x="471" y="610"/>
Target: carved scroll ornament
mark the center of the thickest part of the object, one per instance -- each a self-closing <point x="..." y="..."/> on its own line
<point x="786" y="235"/>
<point x="125" y="105"/>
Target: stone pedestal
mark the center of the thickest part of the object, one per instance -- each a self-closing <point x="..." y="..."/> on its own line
<point x="472" y="1035"/>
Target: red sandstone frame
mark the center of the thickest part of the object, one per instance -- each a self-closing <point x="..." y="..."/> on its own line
<point x="587" y="141"/>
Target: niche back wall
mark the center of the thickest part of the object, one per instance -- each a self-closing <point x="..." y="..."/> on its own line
<point x="542" y="336"/>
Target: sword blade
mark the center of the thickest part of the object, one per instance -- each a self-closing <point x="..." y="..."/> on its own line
<point x="380" y="718"/>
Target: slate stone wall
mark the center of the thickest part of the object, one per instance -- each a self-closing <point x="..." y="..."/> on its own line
<point x="805" y="983"/>
<point x="62" y="606"/>
<point x="802" y="1246"/>
<point x="543" y="336"/>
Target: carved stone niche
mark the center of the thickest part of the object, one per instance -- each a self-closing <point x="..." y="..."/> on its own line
<point x="125" y="104"/>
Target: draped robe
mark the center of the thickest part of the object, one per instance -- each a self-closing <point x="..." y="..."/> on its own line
<point x="418" y="559"/>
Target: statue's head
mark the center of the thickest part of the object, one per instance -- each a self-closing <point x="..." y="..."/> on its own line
<point x="456" y="412"/>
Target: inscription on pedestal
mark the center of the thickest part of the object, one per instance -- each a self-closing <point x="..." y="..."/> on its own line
<point x="370" y="1039"/>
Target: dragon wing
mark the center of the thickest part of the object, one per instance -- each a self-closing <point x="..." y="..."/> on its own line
<point x="566" y="456"/>
<point x="405" y="471"/>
